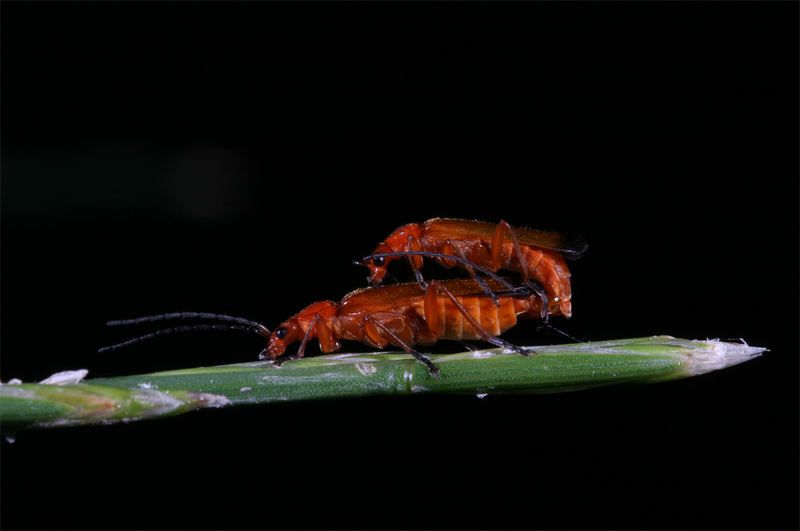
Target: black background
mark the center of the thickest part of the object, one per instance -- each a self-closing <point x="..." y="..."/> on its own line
<point x="236" y="158"/>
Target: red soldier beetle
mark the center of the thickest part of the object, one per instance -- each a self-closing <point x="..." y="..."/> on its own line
<point x="532" y="253"/>
<point x="404" y="315"/>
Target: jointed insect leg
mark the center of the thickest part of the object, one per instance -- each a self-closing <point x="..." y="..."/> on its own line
<point x="517" y="290"/>
<point x="327" y="341"/>
<point x="537" y="288"/>
<point x="525" y="351"/>
<point x="471" y="270"/>
<point x="277" y="362"/>
<point x="416" y="261"/>
<point x="432" y="368"/>
<point x="485" y="335"/>
<point x="497" y="247"/>
<point x="301" y="350"/>
<point x="468" y="265"/>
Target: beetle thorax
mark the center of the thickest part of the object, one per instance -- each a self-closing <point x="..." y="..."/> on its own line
<point x="325" y="310"/>
<point x="398" y="240"/>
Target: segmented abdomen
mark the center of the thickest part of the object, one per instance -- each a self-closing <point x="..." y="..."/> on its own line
<point x="495" y="320"/>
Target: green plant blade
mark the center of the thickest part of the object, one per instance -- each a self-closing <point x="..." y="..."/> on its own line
<point x="555" y="368"/>
<point x="46" y="405"/>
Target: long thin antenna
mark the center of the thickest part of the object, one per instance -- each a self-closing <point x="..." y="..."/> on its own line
<point x="263" y="330"/>
<point x="511" y="288"/>
<point x="180" y="330"/>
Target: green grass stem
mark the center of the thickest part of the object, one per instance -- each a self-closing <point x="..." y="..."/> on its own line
<point x="556" y="368"/>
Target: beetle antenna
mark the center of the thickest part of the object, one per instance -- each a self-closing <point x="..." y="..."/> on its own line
<point x="181" y="330"/>
<point x="261" y="329"/>
<point x="459" y="259"/>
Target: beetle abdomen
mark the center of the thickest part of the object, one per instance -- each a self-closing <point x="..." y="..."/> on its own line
<point x="495" y="320"/>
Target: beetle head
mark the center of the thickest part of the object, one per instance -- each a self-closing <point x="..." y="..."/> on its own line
<point x="395" y="243"/>
<point x="287" y="333"/>
<point x="294" y="328"/>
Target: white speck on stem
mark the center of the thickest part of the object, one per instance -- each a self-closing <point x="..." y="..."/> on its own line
<point x="210" y="400"/>
<point x="66" y="377"/>
<point x="478" y="354"/>
<point x="366" y="368"/>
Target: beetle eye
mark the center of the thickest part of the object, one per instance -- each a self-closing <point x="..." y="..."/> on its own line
<point x="280" y="333"/>
<point x="378" y="261"/>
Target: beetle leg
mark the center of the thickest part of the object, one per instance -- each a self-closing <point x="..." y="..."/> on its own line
<point x="433" y="317"/>
<point x="539" y="290"/>
<point x="474" y="322"/>
<point x="372" y="333"/>
<point x="497" y="248"/>
<point x="301" y="350"/>
<point x="449" y="248"/>
<point x="433" y="369"/>
<point x="467" y="265"/>
<point x="525" y="351"/>
<point x="327" y="339"/>
<point x="416" y="261"/>
<point x="277" y="362"/>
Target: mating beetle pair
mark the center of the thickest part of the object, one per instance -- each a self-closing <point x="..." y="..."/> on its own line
<point x="423" y="312"/>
